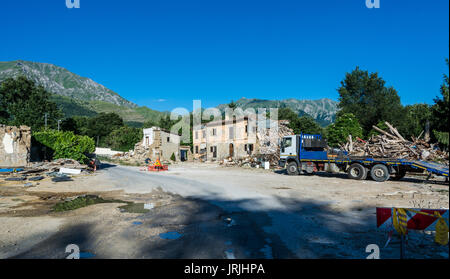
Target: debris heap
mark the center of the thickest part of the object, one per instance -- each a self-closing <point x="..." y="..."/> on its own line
<point x="58" y="170"/>
<point x="269" y="142"/>
<point x="391" y="144"/>
<point x="268" y="148"/>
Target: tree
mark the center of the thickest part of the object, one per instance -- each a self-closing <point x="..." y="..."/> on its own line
<point x="440" y="109"/>
<point x="366" y="96"/>
<point x="287" y="114"/>
<point x="102" y="125"/>
<point x="382" y="125"/>
<point x="22" y="102"/>
<point x="440" y="112"/>
<point x="4" y="115"/>
<point x="306" y="125"/>
<point x="417" y="116"/>
<point x="124" y="138"/>
<point x="81" y="125"/>
<point x="69" y="124"/>
<point x="165" y="123"/>
<point x="150" y="123"/>
<point x="346" y="124"/>
<point x="232" y="105"/>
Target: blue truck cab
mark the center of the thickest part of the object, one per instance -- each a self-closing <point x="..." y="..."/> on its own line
<point x="308" y="153"/>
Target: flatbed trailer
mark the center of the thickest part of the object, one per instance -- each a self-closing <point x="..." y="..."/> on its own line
<point x="306" y="153"/>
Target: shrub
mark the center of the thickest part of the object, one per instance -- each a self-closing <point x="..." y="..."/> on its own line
<point x="66" y="144"/>
<point x="173" y="157"/>
<point x="124" y="138"/>
<point x="345" y="125"/>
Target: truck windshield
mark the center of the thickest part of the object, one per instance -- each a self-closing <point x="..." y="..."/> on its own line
<point x="286" y="142"/>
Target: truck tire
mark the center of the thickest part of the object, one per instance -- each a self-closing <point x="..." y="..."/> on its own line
<point x="357" y="171"/>
<point x="379" y="173"/>
<point x="292" y="168"/>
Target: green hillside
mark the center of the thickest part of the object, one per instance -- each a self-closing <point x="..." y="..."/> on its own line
<point x="77" y="95"/>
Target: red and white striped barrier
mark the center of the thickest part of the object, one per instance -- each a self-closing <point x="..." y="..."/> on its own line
<point x="415" y="221"/>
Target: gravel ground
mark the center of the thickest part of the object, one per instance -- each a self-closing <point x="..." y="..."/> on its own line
<point x="209" y="211"/>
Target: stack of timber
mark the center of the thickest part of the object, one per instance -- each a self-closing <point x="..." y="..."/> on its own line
<point x="391" y="144"/>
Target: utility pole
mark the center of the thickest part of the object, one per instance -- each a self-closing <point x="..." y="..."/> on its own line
<point x="45" y="116"/>
<point x="59" y="121"/>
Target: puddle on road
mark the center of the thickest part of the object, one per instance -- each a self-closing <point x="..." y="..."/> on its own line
<point x="86" y="255"/>
<point x="170" y="235"/>
<point x="267" y="251"/>
<point x="229" y="254"/>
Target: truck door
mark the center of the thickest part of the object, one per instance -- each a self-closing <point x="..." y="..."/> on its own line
<point x="288" y="147"/>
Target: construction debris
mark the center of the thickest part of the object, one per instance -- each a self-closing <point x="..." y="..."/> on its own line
<point x="57" y="170"/>
<point x="390" y="144"/>
<point x="268" y="148"/>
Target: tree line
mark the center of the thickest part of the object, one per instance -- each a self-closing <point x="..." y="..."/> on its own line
<point x="364" y="101"/>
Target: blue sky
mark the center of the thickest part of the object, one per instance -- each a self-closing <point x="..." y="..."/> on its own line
<point x="165" y="53"/>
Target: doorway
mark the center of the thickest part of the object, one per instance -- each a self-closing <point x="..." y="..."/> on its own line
<point x="231" y="147"/>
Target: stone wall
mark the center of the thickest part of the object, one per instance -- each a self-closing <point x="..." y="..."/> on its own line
<point x="15" y="144"/>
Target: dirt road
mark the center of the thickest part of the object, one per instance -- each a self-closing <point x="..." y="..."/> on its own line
<point x="208" y="211"/>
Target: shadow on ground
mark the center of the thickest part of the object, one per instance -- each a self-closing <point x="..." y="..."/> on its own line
<point x="217" y="228"/>
<point x="417" y="179"/>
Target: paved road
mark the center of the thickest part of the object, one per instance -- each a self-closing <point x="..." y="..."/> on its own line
<point x="263" y="225"/>
<point x="215" y="212"/>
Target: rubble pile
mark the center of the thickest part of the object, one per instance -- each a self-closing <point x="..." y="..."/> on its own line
<point x="58" y="170"/>
<point x="390" y="144"/>
<point x="249" y="161"/>
<point x="268" y="150"/>
<point x="269" y="143"/>
<point x="54" y="166"/>
<point x="138" y="155"/>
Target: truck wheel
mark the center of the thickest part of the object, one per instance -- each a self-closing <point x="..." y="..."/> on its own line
<point x="357" y="171"/>
<point x="399" y="175"/>
<point x="379" y="173"/>
<point x="292" y="168"/>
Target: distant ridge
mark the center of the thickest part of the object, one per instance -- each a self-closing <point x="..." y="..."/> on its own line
<point x="77" y="95"/>
<point x="322" y="110"/>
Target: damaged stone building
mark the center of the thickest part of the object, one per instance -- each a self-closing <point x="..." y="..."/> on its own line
<point x="162" y="144"/>
<point x="234" y="138"/>
<point x="15" y="146"/>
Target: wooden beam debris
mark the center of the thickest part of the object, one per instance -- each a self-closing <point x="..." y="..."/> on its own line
<point x="393" y="145"/>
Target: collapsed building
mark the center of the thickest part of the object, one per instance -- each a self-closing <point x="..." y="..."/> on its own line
<point x="156" y="144"/>
<point x="15" y="146"/>
<point x="235" y="139"/>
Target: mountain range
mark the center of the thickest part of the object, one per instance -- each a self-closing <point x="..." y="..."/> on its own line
<point x="322" y="110"/>
<point x="78" y="95"/>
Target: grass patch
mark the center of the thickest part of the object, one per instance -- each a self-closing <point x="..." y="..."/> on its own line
<point x="84" y="201"/>
<point x="132" y="207"/>
<point x="79" y="202"/>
